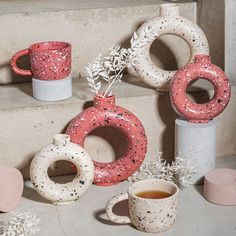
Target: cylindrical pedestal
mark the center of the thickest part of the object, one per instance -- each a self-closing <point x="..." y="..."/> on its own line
<point x="52" y="90"/>
<point x="220" y="186"/>
<point x="196" y="143"/>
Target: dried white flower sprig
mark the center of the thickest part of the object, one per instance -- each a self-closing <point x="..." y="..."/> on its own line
<point x="110" y="68"/>
<point x="179" y="171"/>
<point x="22" y="224"/>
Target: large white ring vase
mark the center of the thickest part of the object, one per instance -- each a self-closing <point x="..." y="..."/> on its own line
<point x="169" y="22"/>
<point x="62" y="149"/>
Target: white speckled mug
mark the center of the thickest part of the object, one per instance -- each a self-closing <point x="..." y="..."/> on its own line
<point x="148" y="215"/>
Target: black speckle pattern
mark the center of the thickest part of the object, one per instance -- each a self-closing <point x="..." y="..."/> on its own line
<point x="169" y="22"/>
<point x="105" y="110"/>
<point x="61" y="149"/>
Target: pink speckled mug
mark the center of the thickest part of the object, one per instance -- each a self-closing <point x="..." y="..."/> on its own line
<point x="49" y="60"/>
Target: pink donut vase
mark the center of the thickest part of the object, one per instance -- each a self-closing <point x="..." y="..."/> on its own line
<point x="200" y="68"/>
<point x="106" y="113"/>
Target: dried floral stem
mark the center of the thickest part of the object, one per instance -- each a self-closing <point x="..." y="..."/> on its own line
<point x="110" y="68"/>
<point x="112" y="82"/>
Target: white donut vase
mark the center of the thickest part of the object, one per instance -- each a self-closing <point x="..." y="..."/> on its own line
<point x="62" y="149"/>
<point x="169" y="23"/>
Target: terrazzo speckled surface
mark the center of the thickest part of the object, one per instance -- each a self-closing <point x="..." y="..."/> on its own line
<point x="196" y="216"/>
<point x="201" y="68"/>
<point x="169" y="22"/>
<point x="49" y="60"/>
<point x="62" y="149"/>
<point x="147" y="215"/>
<point x="106" y="113"/>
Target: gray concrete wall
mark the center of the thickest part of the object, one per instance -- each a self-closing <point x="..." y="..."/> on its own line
<point x="230" y="39"/>
<point x="91" y="27"/>
<point x="211" y="18"/>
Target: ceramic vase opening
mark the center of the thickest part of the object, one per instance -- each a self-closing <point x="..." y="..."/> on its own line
<point x="202" y="59"/>
<point x="61" y="139"/>
<point x="169" y="10"/>
<point x="104" y="103"/>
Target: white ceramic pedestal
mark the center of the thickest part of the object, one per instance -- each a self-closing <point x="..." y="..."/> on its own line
<point x="196" y="142"/>
<point x="52" y="90"/>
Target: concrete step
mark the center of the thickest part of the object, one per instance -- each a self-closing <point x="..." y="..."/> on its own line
<point x="91" y="26"/>
<point x="27" y="124"/>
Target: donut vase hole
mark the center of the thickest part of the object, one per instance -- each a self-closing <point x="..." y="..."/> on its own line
<point x="204" y="69"/>
<point x="119" y="118"/>
<point x="169" y="22"/>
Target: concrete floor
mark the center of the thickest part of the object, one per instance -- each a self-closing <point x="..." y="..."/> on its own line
<point x="86" y="217"/>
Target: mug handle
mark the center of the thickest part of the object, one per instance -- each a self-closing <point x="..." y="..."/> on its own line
<point x="113" y="217"/>
<point x="14" y="60"/>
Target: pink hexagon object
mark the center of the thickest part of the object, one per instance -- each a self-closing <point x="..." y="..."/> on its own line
<point x="220" y="186"/>
<point x="49" y="60"/>
<point x="200" y="68"/>
<point x="106" y="113"/>
<point x="11" y="188"/>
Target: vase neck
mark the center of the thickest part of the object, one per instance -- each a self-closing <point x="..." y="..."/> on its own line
<point x="169" y="10"/>
<point x="202" y="59"/>
<point x="61" y="139"/>
<point x="104" y="103"/>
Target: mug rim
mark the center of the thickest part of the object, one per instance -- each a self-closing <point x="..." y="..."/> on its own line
<point x="156" y="180"/>
<point x="33" y="46"/>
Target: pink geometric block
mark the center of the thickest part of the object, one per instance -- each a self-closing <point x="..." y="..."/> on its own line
<point x="106" y="113"/>
<point x="220" y="186"/>
<point x="201" y="68"/>
<point x="11" y="188"/>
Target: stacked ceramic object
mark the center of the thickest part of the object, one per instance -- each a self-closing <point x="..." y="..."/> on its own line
<point x="50" y="68"/>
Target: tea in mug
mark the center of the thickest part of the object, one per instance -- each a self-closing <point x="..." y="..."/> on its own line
<point x="154" y="194"/>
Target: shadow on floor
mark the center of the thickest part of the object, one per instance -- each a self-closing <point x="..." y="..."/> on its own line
<point x="120" y="209"/>
<point x="199" y="189"/>
<point x="31" y="194"/>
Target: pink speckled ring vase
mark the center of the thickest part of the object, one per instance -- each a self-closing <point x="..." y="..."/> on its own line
<point x="11" y="188"/>
<point x="106" y="113"/>
<point x="49" y="60"/>
<point x="200" y="68"/>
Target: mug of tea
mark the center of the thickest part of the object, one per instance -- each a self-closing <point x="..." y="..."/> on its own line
<point x="152" y="205"/>
<point x="49" y="60"/>
<point x="50" y="69"/>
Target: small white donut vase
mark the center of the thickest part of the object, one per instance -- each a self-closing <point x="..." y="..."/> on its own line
<point x="62" y="149"/>
<point x="169" y="23"/>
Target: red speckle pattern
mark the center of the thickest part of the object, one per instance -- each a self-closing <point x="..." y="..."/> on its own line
<point x="106" y="113"/>
<point x="201" y="68"/>
<point x="49" y="61"/>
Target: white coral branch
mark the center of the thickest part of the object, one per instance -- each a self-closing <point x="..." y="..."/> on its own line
<point x="22" y="224"/>
<point x="179" y="171"/>
<point x="110" y="68"/>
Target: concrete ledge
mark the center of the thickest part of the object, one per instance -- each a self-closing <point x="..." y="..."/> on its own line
<point x="92" y="27"/>
<point x="27" y="124"/>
